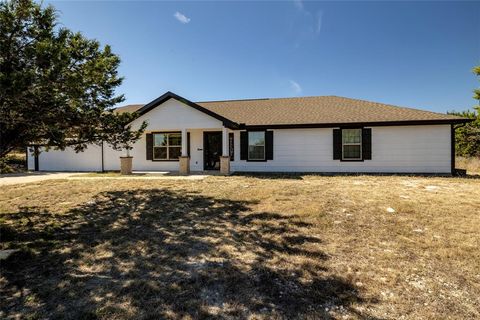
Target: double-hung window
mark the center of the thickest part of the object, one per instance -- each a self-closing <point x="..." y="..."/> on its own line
<point x="352" y="144"/>
<point x="167" y="146"/>
<point x="256" y="145"/>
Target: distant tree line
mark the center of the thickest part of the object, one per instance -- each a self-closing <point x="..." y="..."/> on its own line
<point x="467" y="137"/>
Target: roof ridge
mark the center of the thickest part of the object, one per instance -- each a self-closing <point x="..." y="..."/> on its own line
<point x="256" y="99"/>
<point x="130" y="104"/>
<point x="251" y="99"/>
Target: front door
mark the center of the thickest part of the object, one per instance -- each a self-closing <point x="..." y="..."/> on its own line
<point x="212" y="150"/>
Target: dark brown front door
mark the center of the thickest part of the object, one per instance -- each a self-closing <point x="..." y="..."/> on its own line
<point x="212" y="150"/>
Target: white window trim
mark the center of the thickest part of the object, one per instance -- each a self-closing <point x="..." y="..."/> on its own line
<point x="165" y="146"/>
<point x="352" y="144"/>
<point x="264" y="147"/>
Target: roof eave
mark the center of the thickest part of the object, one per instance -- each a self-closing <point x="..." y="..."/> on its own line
<point x="356" y="124"/>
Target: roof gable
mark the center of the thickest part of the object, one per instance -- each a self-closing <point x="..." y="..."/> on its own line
<point x="170" y="95"/>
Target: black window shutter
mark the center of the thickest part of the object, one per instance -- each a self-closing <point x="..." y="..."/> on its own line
<point x="367" y="143"/>
<point x="231" y="146"/>
<point x="149" y="146"/>
<point x="188" y="144"/>
<point x="243" y="145"/>
<point x="337" y="144"/>
<point x="269" y="145"/>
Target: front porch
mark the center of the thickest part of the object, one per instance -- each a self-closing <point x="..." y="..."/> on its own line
<point x="191" y="150"/>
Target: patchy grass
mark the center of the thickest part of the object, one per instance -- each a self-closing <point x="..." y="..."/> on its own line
<point x="472" y="164"/>
<point x="382" y="247"/>
<point x="109" y="174"/>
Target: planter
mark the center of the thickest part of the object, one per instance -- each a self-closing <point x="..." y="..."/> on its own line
<point x="126" y="165"/>
<point x="184" y="165"/>
<point x="225" y="165"/>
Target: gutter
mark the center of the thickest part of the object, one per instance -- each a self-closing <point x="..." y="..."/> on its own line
<point x="243" y="126"/>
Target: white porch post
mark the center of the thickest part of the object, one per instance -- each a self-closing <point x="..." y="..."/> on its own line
<point x="184" y="160"/>
<point x="225" y="158"/>
<point x="184" y="143"/>
<point x="224" y="142"/>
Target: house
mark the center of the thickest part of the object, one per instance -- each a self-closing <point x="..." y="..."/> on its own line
<point x="304" y="134"/>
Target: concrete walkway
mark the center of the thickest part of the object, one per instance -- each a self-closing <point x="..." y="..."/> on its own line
<point x="144" y="177"/>
<point x="17" y="178"/>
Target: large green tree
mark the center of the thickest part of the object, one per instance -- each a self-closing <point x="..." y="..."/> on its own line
<point x="467" y="137"/>
<point x="57" y="88"/>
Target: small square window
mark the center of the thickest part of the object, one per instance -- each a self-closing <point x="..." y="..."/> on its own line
<point x="351" y="152"/>
<point x="160" y="153"/>
<point x="174" y="152"/>
<point x="174" y="139"/>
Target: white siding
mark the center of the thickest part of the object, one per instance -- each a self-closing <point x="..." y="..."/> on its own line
<point x="30" y="160"/>
<point x="68" y="160"/>
<point x="402" y="149"/>
<point x="174" y="115"/>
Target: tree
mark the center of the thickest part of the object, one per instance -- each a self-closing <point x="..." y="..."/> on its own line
<point x="57" y="88"/>
<point x="467" y="137"/>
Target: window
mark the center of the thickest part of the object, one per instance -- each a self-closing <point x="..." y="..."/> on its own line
<point x="352" y="144"/>
<point x="167" y="146"/>
<point x="256" y="145"/>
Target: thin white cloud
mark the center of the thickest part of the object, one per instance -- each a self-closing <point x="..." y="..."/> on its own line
<point x="181" y="17"/>
<point x="319" y="22"/>
<point x="295" y="87"/>
<point x="298" y="4"/>
<point x="307" y="24"/>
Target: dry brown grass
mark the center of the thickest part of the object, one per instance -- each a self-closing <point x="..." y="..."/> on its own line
<point x="472" y="164"/>
<point x="243" y="247"/>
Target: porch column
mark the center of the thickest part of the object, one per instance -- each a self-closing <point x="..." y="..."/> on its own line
<point x="224" y="142"/>
<point x="225" y="158"/>
<point x="184" y="160"/>
<point x="184" y="143"/>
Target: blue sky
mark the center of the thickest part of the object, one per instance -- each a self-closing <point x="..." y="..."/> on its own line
<point x="417" y="54"/>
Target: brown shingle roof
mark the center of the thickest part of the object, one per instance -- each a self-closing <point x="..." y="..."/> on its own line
<point x="128" y="108"/>
<point x="316" y="110"/>
<point x="312" y="110"/>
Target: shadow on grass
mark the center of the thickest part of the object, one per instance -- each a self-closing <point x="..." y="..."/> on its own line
<point x="302" y="175"/>
<point x="471" y="176"/>
<point x="164" y="254"/>
<point x="270" y="175"/>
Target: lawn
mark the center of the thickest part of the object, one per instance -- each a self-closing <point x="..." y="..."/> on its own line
<point x="345" y="247"/>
